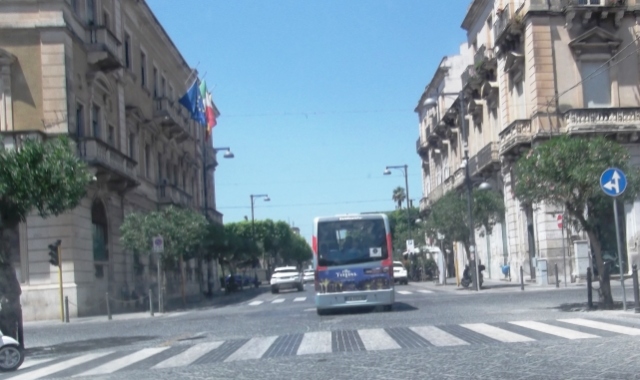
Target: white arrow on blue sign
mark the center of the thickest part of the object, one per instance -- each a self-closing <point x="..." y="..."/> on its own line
<point x="613" y="182"/>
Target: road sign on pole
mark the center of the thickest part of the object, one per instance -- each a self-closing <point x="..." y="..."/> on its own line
<point x="158" y="244"/>
<point x="410" y="246"/>
<point x="613" y="182"/>
<point x="559" y="219"/>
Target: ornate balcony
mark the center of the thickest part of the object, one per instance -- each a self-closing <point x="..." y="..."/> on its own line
<point x="507" y="29"/>
<point x="171" y="195"/>
<point x="470" y="78"/>
<point x="517" y="133"/>
<point x="590" y="11"/>
<point x="114" y="167"/>
<point x="599" y="120"/>
<point x="484" y="159"/>
<point x="422" y="148"/>
<point x="166" y="115"/>
<point x="103" y="49"/>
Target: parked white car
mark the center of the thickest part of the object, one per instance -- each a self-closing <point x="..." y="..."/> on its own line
<point x="286" y="278"/>
<point x="309" y="275"/>
<point x="400" y="273"/>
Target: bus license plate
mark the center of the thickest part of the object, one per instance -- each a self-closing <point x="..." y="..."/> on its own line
<point x="355" y="298"/>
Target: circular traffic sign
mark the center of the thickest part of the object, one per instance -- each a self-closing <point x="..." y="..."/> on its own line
<point x="559" y="219"/>
<point x="613" y="182"/>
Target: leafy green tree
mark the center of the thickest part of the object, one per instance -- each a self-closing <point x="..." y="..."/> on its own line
<point x="565" y="171"/>
<point x="240" y="248"/>
<point x="181" y="229"/>
<point x="400" y="231"/>
<point x="298" y="251"/>
<point x="399" y="196"/>
<point x="43" y="176"/>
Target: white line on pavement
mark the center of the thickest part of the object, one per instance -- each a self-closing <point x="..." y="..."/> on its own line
<point x="255" y="303"/>
<point x="28" y="363"/>
<point x="317" y="342"/>
<point x="403" y="291"/>
<point x="554" y="330"/>
<point x="253" y="349"/>
<point x="299" y="299"/>
<point x="278" y="300"/>
<point x="426" y="291"/>
<point x="437" y="337"/>
<point x="496" y="333"/>
<point x="123" y="362"/>
<point x="377" y="339"/>
<point x="189" y="356"/>
<point x="51" y="369"/>
<point x="603" y="326"/>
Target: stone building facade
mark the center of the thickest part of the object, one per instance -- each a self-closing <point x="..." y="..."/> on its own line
<point x="105" y="73"/>
<point x="540" y="68"/>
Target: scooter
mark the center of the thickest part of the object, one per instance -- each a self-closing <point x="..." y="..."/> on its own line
<point x="11" y="355"/>
<point x="466" y="276"/>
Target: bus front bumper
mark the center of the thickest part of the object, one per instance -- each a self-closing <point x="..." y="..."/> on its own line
<point x="351" y="299"/>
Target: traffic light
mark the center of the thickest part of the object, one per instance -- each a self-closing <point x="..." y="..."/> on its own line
<point x="54" y="253"/>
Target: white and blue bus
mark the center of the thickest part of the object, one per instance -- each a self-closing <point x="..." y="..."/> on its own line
<point x="353" y="262"/>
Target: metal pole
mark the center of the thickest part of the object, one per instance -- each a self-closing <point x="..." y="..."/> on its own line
<point x="624" y="292"/>
<point x="589" y="289"/>
<point x="557" y="280"/>
<point x="564" y="253"/>
<point x="204" y="176"/>
<point x="472" y="249"/>
<point x="151" y="302"/>
<point x="636" y="291"/>
<point x="108" y="307"/>
<point x="66" y="309"/>
<point x="160" y="306"/>
<point x="60" y="282"/>
<point x="406" y="184"/>
<point x="521" y="278"/>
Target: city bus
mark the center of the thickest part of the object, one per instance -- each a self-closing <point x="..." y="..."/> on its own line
<point x="353" y="262"/>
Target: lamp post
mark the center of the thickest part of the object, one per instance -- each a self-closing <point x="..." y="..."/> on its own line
<point x="405" y="171"/>
<point x="253" y="227"/>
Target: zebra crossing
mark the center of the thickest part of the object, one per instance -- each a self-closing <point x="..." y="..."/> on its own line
<point x="303" y="299"/>
<point x="318" y="342"/>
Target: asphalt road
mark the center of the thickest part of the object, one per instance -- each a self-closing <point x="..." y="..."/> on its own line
<point x="431" y="333"/>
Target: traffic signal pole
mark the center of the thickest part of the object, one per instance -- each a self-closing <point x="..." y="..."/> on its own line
<point x="60" y="282"/>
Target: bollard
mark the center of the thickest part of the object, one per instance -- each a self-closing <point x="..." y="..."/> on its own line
<point x="66" y="309"/>
<point x="636" y="291"/>
<point x="521" y="278"/>
<point x="589" y="289"/>
<point x="557" y="281"/>
<point x="108" y="307"/>
<point x="151" y="302"/>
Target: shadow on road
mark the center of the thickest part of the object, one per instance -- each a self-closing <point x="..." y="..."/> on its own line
<point x="397" y="307"/>
<point x="583" y="306"/>
<point x="86" y="345"/>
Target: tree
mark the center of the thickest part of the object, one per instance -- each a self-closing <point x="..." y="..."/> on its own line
<point x="181" y="229"/>
<point x="298" y="251"/>
<point x="43" y="176"/>
<point x="565" y="171"/>
<point x="399" y="229"/>
<point x="399" y="196"/>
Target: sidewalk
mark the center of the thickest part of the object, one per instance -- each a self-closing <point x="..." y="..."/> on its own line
<point x="492" y="286"/>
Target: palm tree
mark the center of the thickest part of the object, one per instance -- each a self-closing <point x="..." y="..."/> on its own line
<point x="399" y="196"/>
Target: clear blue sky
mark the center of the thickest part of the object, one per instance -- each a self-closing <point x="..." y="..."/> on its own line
<point x="316" y="96"/>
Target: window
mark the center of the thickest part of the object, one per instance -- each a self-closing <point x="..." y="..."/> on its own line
<point x="106" y="21"/>
<point x="163" y="87"/>
<point x="132" y="145"/>
<point x="171" y="92"/>
<point x="590" y="2"/>
<point x="168" y="172"/>
<point x="95" y="121"/>
<point x="111" y="135"/>
<point x="175" y="175"/>
<point x="91" y="12"/>
<point x="147" y="160"/>
<point x="156" y="91"/>
<point x="99" y="232"/>
<point x="159" y="167"/>
<point x="127" y="51"/>
<point x="80" y="119"/>
<point x="596" y="85"/>
<point x="143" y="69"/>
<point x="75" y="6"/>
<point x="184" y="181"/>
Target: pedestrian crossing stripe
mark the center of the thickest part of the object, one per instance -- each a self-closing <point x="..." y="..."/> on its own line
<point x="302" y="299"/>
<point x="320" y="342"/>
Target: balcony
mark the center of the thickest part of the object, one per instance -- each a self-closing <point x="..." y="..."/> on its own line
<point x="485" y="63"/>
<point x="103" y="49"/>
<point x="484" y="159"/>
<point x="114" y="167"/>
<point x="517" y="133"/>
<point x="171" y="195"/>
<point x="166" y="115"/>
<point x="425" y="205"/>
<point x="599" y="120"/>
<point x="507" y="29"/>
<point x="422" y="148"/>
<point x="470" y="78"/>
<point x="593" y="10"/>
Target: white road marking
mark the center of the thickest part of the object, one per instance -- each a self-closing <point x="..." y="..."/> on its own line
<point x="51" y="369"/>
<point x="603" y="326"/>
<point x="299" y="299"/>
<point x="497" y="333"/>
<point x="253" y="349"/>
<point x="377" y="339"/>
<point x="28" y="363"/>
<point x="426" y="291"/>
<point x="437" y="337"/>
<point x="256" y="303"/>
<point x="317" y="342"/>
<point x="189" y="356"/>
<point x="123" y="362"/>
<point x="173" y="315"/>
<point x="278" y="300"/>
<point x="403" y="292"/>
<point x="554" y="330"/>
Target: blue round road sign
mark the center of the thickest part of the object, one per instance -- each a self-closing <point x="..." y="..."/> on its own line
<point x="613" y="182"/>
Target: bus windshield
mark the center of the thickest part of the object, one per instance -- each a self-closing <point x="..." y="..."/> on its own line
<point x="353" y="241"/>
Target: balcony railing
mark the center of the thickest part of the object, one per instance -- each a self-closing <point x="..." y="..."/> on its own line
<point x="171" y="194"/>
<point x="425" y="204"/>
<point x="166" y="114"/>
<point x="516" y="133"/>
<point x="104" y="49"/>
<point x="501" y="23"/>
<point x="585" y="120"/>
<point x="422" y="147"/>
<point x="593" y="3"/>
<point x="485" y="157"/>
<point x="108" y="159"/>
<point x="468" y="75"/>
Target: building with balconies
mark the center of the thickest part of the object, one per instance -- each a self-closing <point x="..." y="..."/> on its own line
<point x="108" y="75"/>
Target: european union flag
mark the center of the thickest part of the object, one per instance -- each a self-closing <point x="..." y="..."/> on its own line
<point x="192" y="100"/>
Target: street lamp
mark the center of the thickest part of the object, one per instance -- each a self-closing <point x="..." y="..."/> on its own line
<point x="227" y="153"/>
<point x="405" y="171"/>
<point x="253" y="228"/>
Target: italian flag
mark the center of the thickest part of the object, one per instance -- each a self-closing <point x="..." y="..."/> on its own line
<point x="209" y="113"/>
